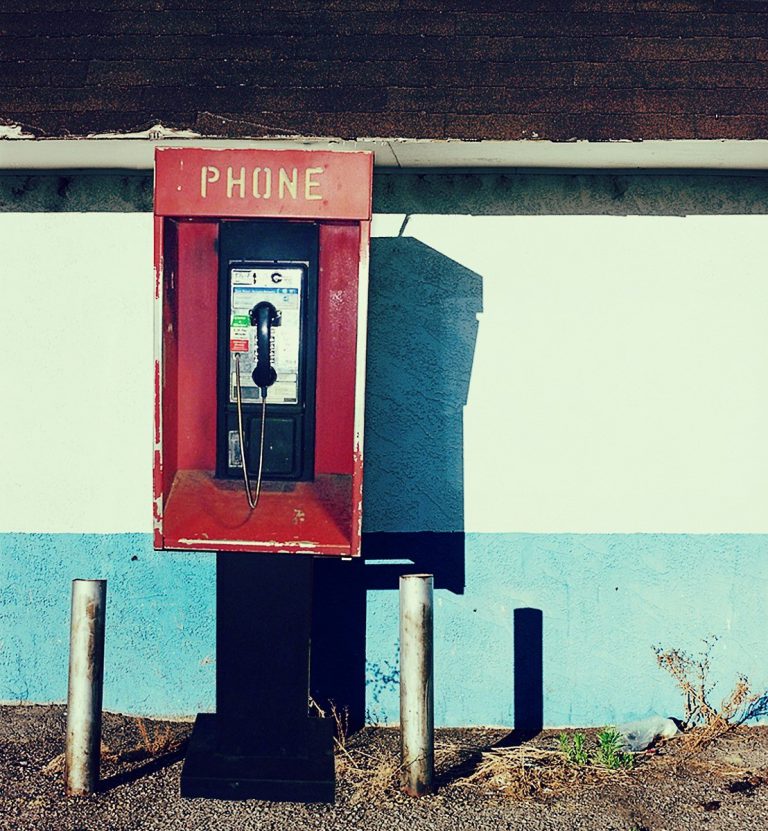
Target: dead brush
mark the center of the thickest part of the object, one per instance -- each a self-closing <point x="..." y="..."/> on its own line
<point x="371" y="775"/>
<point x="526" y="772"/>
<point x="152" y="742"/>
<point x="375" y="775"/>
<point x="57" y="765"/>
<point x="340" y="721"/>
<point x="156" y="741"/>
<point x="703" y="720"/>
<point x="521" y="773"/>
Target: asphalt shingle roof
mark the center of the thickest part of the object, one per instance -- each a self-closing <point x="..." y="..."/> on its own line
<point x="614" y="69"/>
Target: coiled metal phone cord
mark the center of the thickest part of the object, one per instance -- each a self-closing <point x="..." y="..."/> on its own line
<point x="253" y="501"/>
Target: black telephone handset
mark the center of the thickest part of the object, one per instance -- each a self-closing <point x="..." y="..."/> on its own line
<point x="264" y="316"/>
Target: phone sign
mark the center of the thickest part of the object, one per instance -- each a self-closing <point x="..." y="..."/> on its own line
<point x="239" y="346"/>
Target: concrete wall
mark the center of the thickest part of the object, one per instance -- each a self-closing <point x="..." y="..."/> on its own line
<point x="574" y="409"/>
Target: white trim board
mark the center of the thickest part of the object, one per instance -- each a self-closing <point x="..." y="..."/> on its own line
<point x="136" y="151"/>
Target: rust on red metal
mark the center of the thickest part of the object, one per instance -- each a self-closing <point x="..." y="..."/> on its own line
<point x="297" y="184"/>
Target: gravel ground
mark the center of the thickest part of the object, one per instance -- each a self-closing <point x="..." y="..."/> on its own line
<point x="722" y="787"/>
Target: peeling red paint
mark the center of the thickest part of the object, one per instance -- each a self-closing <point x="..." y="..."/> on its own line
<point x="157" y="511"/>
<point x="158" y="401"/>
<point x="312" y="547"/>
<point x="157" y="502"/>
<point x="158" y="257"/>
<point x="357" y="496"/>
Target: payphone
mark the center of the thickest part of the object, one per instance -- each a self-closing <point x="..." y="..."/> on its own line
<point x="261" y="276"/>
<point x="261" y="263"/>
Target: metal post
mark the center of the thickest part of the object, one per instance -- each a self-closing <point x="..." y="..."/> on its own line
<point x="86" y="675"/>
<point x="417" y="720"/>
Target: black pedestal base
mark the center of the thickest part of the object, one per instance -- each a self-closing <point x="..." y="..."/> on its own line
<point x="211" y="771"/>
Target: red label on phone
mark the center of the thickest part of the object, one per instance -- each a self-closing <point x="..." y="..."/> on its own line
<point x="239" y="346"/>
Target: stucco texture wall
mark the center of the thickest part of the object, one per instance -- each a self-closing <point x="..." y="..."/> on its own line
<point x="566" y="427"/>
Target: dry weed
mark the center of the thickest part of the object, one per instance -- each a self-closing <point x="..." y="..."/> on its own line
<point x="526" y="772"/>
<point x="58" y="763"/>
<point x="158" y="741"/>
<point x="55" y="766"/>
<point x="705" y="721"/>
<point x="375" y="774"/>
<point x="720" y="768"/>
<point x="153" y="741"/>
<point x="340" y="721"/>
<point x="108" y="755"/>
<point x="448" y="754"/>
<point x="372" y="775"/>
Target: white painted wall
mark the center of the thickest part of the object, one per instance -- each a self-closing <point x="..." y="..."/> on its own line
<point x="76" y="369"/>
<point x="619" y="380"/>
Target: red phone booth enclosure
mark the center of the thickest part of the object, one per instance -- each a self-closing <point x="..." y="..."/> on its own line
<point x="195" y="189"/>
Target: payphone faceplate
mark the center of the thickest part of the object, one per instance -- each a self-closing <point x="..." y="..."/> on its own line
<point x="281" y="284"/>
<point x="276" y="262"/>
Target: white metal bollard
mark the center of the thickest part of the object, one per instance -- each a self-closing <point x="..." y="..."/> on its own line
<point x="86" y="676"/>
<point x="417" y="719"/>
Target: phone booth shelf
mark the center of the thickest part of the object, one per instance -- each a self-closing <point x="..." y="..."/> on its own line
<point x="234" y="228"/>
<point x="196" y="191"/>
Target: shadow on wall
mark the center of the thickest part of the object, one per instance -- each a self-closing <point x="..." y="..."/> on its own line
<point x="528" y="676"/>
<point x="422" y="329"/>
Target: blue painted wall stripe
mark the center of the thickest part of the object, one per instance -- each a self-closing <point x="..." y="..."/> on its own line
<point x="605" y="601"/>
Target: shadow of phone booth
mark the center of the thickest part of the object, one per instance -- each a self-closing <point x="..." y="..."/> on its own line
<point x="261" y="261"/>
<point x="416" y="390"/>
